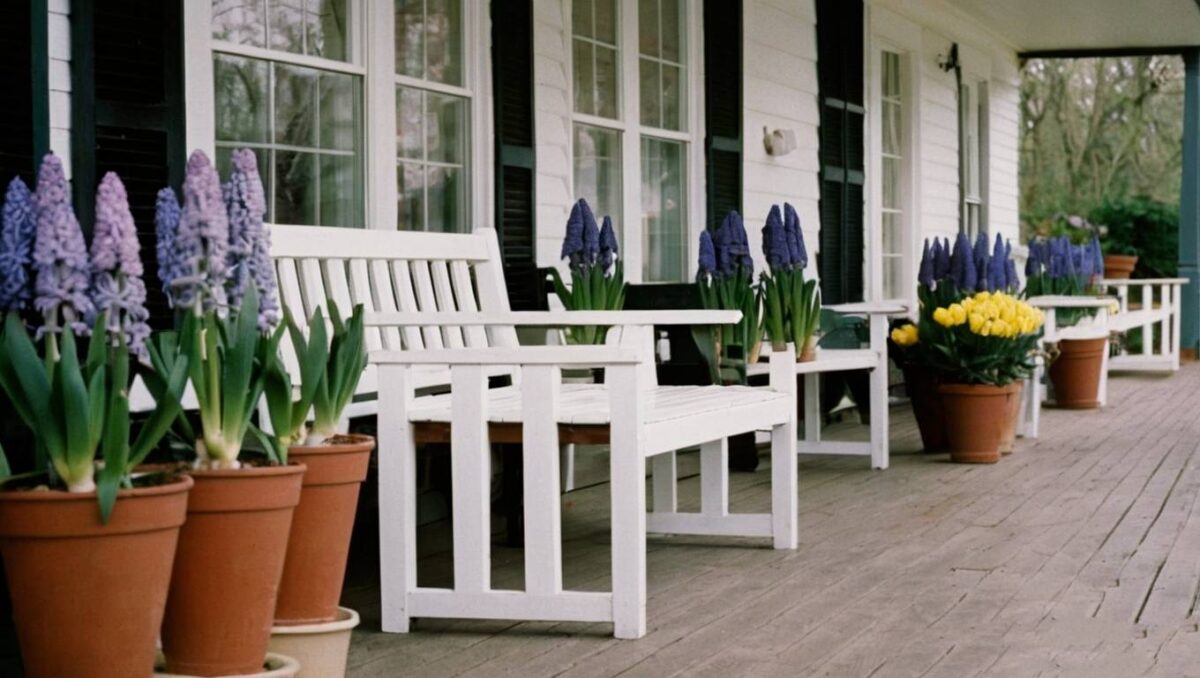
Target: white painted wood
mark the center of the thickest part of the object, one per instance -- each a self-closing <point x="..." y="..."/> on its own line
<point x="628" y="490"/>
<point x="539" y="436"/>
<point x="397" y="501"/>
<point x="665" y="483"/>
<point x="784" y="484"/>
<point x="522" y="355"/>
<point x="566" y="606"/>
<point x="879" y="394"/>
<point x="714" y="478"/>
<point x="557" y="318"/>
<point x="705" y="525"/>
<point x="470" y="470"/>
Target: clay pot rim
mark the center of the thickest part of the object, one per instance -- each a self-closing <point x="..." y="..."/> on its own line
<point x="978" y="389"/>
<point x="182" y="483"/>
<point x="346" y="620"/>
<point x="290" y="468"/>
<point x="361" y="443"/>
<point x="275" y="665"/>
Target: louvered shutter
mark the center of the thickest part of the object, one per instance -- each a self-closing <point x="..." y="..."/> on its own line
<point x="840" y="79"/>
<point x="723" y="107"/>
<point x="512" y="73"/>
<point x="127" y="112"/>
<point x="24" y="124"/>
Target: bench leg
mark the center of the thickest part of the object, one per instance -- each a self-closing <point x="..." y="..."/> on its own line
<point x="397" y="505"/>
<point x="665" y="475"/>
<point x="784" y="486"/>
<point x="628" y="492"/>
<point x="879" y="416"/>
<point x="714" y="478"/>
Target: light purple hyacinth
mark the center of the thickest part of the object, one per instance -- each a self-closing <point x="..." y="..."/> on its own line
<point x="117" y="285"/>
<point x="16" y="247"/>
<point x="166" y="224"/>
<point x="202" y="239"/>
<point x="249" y="241"/>
<point x="60" y="255"/>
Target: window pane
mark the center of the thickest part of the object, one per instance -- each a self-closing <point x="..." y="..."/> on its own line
<point x="672" y="98"/>
<point x="892" y="287"/>
<point x="296" y="192"/>
<point x="295" y="106"/>
<point x="891" y="183"/>
<point x="891" y="74"/>
<point x="339" y="111"/>
<point x="242" y="22"/>
<point x="585" y="88"/>
<point x="447" y="195"/>
<point x="446" y="128"/>
<point x="340" y="181"/>
<point x="606" y="21"/>
<point x="672" y="30"/>
<point x="663" y="224"/>
<point x="582" y="18"/>
<point x="410" y="38"/>
<point x="648" y="42"/>
<point x="598" y="169"/>
<point x="890" y="112"/>
<point x="893" y="242"/>
<point x="241" y="99"/>
<point x="443" y="41"/>
<point x="287" y="25"/>
<point x="650" y="99"/>
<point x="410" y="118"/>
<point x="606" y="82"/>
<point x="411" y="196"/>
<point x="327" y="29"/>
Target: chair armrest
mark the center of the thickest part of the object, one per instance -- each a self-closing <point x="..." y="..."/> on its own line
<point x="520" y="355"/>
<point x="554" y="318"/>
<point x="870" y="308"/>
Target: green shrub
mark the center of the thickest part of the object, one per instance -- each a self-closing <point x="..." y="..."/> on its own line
<point x="1145" y="227"/>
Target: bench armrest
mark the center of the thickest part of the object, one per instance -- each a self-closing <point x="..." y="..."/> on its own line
<point x="870" y="308"/>
<point x="554" y="318"/>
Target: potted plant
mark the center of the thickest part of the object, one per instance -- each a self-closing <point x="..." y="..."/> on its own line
<point x="1060" y="267"/>
<point x="77" y="534"/>
<point x="978" y="349"/>
<point x="214" y="262"/>
<point x="791" y="305"/>
<point x="597" y="275"/>
<point x="1119" y="260"/>
<point x="309" y="625"/>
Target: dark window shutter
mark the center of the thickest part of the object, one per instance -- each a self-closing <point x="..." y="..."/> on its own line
<point x="840" y="78"/>
<point x="24" y="123"/>
<point x="723" y="107"/>
<point x="127" y="112"/>
<point x="512" y="74"/>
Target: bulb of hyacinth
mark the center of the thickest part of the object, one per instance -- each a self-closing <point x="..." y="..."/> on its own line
<point x="60" y="256"/>
<point x="117" y="287"/>
<point x="249" y="256"/>
<point x="16" y="247"/>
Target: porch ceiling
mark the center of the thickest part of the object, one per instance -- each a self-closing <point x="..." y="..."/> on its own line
<point x="1038" y="26"/>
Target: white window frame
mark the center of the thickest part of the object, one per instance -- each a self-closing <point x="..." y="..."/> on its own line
<point x="977" y="89"/>
<point x="889" y="32"/>
<point x="629" y="126"/>
<point x="373" y="57"/>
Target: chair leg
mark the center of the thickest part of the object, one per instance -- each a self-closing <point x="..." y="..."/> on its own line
<point x="879" y="417"/>
<point x="397" y="506"/>
<point x="784" y="486"/>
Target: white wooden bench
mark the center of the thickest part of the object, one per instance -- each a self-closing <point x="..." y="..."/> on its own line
<point x="1095" y="327"/>
<point x="438" y="317"/>
<point x="873" y="357"/>
<point x="1158" y="307"/>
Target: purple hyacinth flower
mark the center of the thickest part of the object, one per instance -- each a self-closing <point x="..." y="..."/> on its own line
<point x="962" y="265"/>
<point x="608" y="245"/>
<point x="16" y="247"/>
<point x="740" y="246"/>
<point x="1012" y="282"/>
<point x="60" y="254"/>
<point x="202" y="239"/>
<point x="166" y="225"/>
<point x="997" y="271"/>
<point x="941" y="263"/>
<point x="980" y="256"/>
<point x="1098" y="253"/>
<point x="117" y="286"/>
<point x="925" y="273"/>
<point x="1032" y="261"/>
<point x="591" y="234"/>
<point x="249" y="257"/>
<point x="707" y="263"/>
<point x="791" y="225"/>
<point x="775" y="242"/>
<point x="572" y="247"/>
<point x="723" y="241"/>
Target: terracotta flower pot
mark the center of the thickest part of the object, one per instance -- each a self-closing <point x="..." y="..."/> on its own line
<point x="320" y="540"/>
<point x="1076" y="373"/>
<point x="222" y="600"/>
<point x="88" y="597"/>
<point x="927" y="407"/>
<point x="1013" y="414"/>
<point x="321" y="649"/>
<point x="975" y="416"/>
<point x="1119" y="266"/>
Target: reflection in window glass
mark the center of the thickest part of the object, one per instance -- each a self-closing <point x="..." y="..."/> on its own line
<point x="429" y="35"/>
<point x="892" y="179"/>
<point x="311" y="27"/>
<point x="594" y="50"/>
<point x="664" y="229"/>
<point x="432" y="148"/>
<point x="597" y="154"/>
<point x="308" y="145"/>
<point x="660" y="47"/>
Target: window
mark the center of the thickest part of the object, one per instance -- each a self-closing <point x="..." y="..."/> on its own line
<point x="608" y="145"/>
<point x="432" y="117"/>
<point x="892" y="180"/>
<point x="972" y="118"/>
<point x="285" y="85"/>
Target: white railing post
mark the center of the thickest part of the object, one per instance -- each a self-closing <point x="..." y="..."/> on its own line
<point x="879" y="393"/>
<point x="1148" y="328"/>
<point x="543" y="527"/>
<point x="397" y="499"/>
<point x="784" y="483"/>
<point x="470" y="474"/>
<point x="628" y="491"/>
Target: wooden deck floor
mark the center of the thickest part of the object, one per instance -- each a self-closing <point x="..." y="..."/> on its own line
<point x="1078" y="555"/>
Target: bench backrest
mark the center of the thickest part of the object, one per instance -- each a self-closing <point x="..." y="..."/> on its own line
<point x="394" y="271"/>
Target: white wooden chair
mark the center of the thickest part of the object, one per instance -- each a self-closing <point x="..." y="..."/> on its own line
<point x="438" y="316"/>
<point x="873" y="357"/>
<point x="1096" y="327"/>
<point x="1157" y="306"/>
